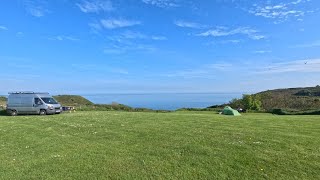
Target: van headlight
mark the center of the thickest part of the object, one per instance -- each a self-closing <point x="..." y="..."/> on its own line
<point x="50" y="107"/>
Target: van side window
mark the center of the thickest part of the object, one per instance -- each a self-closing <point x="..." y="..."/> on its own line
<point x="37" y="101"/>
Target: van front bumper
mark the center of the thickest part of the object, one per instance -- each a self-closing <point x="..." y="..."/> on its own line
<point x="53" y="111"/>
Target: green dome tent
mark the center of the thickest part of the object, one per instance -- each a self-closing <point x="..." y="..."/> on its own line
<point x="229" y="111"/>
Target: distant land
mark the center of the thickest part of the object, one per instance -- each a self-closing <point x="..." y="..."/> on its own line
<point x="300" y="99"/>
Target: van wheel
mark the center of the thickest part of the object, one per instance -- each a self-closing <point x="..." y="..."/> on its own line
<point x="43" y="112"/>
<point x="13" y="113"/>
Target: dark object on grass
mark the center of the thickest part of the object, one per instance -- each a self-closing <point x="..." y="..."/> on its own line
<point x="68" y="108"/>
<point x="240" y="110"/>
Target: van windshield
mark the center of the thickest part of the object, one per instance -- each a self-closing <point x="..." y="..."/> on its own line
<point x="49" y="100"/>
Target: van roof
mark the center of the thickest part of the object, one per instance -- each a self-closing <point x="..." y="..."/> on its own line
<point x="28" y="92"/>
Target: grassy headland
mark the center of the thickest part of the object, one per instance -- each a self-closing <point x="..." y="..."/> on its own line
<point x="72" y="100"/>
<point x="283" y="101"/>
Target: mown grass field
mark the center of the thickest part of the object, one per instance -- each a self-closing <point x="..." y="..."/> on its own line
<point x="180" y="145"/>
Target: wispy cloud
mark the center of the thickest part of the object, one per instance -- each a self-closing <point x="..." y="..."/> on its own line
<point x="159" y="38"/>
<point x="128" y="47"/>
<point x="208" y="72"/>
<point x="95" y="6"/>
<point x="224" y="31"/>
<point x="280" y="12"/>
<point x="3" y="28"/>
<point x="302" y="66"/>
<point x="127" y="35"/>
<point x="308" y="45"/>
<point x="188" y="24"/>
<point x="221" y="66"/>
<point x="118" y="23"/>
<point x="36" y="8"/>
<point x="130" y="41"/>
<point x="262" y="51"/>
<point x="99" y="68"/>
<point x="95" y="27"/>
<point x="19" y="34"/>
<point x="63" y="38"/>
<point x="162" y="3"/>
<point x="228" y="41"/>
<point x="212" y="71"/>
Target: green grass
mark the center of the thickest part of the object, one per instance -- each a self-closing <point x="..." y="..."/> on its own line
<point x="179" y="145"/>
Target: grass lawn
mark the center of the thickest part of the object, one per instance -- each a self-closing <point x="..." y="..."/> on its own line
<point x="180" y="145"/>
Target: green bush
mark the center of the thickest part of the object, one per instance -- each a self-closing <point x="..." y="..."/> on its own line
<point x="3" y="112"/>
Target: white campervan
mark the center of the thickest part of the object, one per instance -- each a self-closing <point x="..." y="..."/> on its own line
<point x="32" y="103"/>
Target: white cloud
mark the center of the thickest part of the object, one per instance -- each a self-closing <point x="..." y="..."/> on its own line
<point x="298" y="1"/>
<point x="302" y="66"/>
<point x="118" y="23"/>
<point x="224" y="31"/>
<point x="36" y="11"/>
<point x="36" y="8"/>
<point x="188" y="24"/>
<point x="162" y="3"/>
<point x="95" y="6"/>
<point x="63" y="38"/>
<point x="3" y="28"/>
<point x="280" y="12"/>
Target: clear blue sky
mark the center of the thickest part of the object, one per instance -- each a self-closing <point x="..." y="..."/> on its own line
<point x="127" y="46"/>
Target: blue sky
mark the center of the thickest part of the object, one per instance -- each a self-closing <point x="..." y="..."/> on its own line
<point x="129" y="46"/>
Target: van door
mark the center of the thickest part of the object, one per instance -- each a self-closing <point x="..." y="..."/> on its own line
<point x="37" y="105"/>
<point x="26" y="105"/>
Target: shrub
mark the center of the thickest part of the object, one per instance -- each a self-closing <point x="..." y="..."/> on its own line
<point x="3" y="112"/>
<point x="295" y="112"/>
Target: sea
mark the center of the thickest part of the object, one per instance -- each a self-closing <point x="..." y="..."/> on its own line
<point x="164" y="101"/>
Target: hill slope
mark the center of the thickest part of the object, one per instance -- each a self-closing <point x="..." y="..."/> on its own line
<point x="72" y="100"/>
<point x="293" y="98"/>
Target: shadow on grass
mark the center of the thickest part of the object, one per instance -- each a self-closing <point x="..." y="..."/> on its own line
<point x="4" y="113"/>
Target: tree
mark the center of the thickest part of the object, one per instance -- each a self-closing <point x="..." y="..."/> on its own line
<point x="256" y="105"/>
<point x="236" y="103"/>
<point x="247" y="101"/>
<point x="252" y="102"/>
